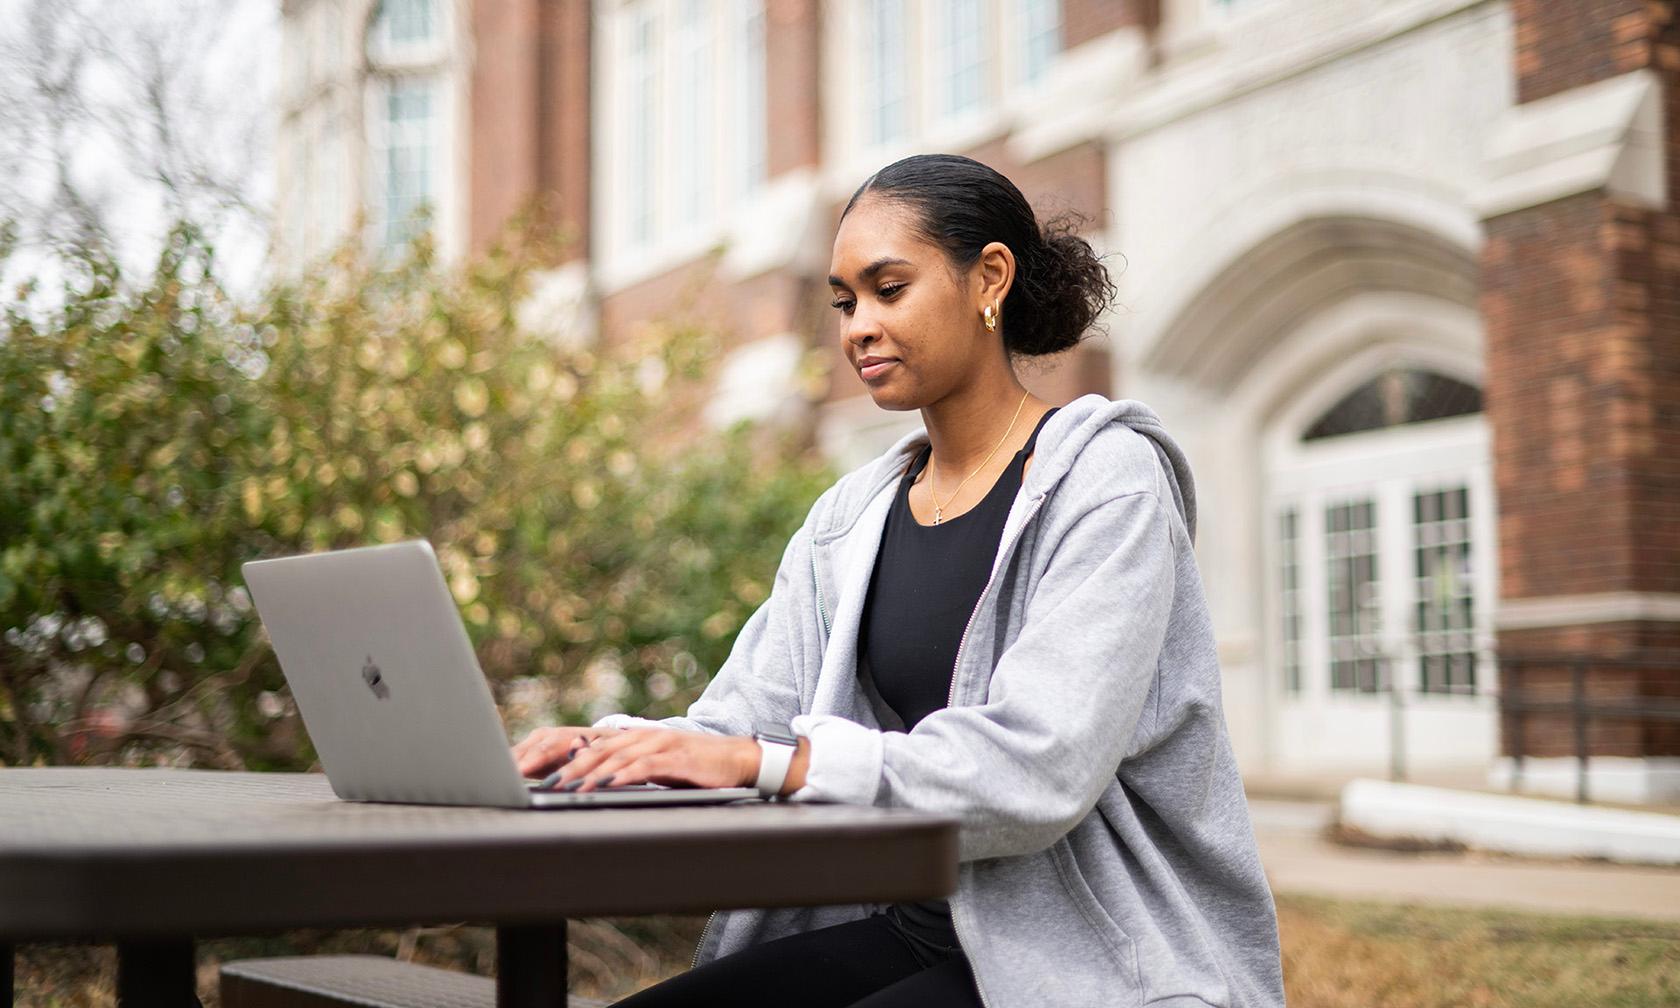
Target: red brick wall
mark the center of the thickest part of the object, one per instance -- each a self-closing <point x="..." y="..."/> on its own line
<point x="792" y="72"/>
<point x="563" y="145"/>
<point x="503" y="154"/>
<point x="529" y="131"/>
<point x="1581" y="301"/>
<point x="1562" y="44"/>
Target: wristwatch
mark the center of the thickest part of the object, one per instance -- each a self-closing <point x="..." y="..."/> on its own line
<point x="776" y="745"/>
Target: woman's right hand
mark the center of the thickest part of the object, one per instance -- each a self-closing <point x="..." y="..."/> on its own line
<point x="547" y="749"/>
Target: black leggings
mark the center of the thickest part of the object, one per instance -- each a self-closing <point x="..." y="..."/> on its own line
<point x="860" y="964"/>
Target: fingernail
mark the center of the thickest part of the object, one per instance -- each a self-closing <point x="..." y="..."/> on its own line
<point x="549" y="781"/>
<point x="572" y="785"/>
<point x="604" y="781"/>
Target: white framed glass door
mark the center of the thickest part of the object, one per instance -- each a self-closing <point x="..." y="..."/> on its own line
<point x="1381" y="567"/>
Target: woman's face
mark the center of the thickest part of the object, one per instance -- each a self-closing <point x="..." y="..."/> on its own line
<point x="909" y="325"/>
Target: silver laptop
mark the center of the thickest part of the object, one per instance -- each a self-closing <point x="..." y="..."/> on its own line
<point x="388" y="686"/>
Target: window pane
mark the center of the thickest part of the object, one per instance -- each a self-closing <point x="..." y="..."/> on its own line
<point x="751" y="156"/>
<point x="1290" y="601"/>
<point x="641" y="69"/>
<point x="965" y="55"/>
<point x="1397" y="397"/>
<point x="410" y="143"/>
<point x="405" y="22"/>
<point x="1041" y="23"/>
<point x="1445" y="607"/>
<point x="1350" y="549"/>
<point x="693" y="100"/>
<point x="888" y="79"/>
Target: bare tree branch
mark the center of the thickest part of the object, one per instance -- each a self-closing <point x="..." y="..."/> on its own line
<point x="118" y="120"/>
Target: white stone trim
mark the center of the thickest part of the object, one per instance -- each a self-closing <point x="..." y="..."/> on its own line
<point x="560" y="306"/>
<point x="1071" y="105"/>
<point x="1605" y="135"/>
<point x="784" y="226"/>
<point x="1581" y="610"/>
<point x="1507" y="823"/>
<point x="759" y="381"/>
<point x="1202" y="71"/>
<point x="1178" y="281"/>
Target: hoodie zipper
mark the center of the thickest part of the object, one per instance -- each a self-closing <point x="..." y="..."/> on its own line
<point x="695" y="963"/>
<point x="951" y="696"/>
<point x="822" y="611"/>
<point x="816" y="579"/>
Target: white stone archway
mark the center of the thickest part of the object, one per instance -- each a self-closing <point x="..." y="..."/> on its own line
<point x="1302" y="291"/>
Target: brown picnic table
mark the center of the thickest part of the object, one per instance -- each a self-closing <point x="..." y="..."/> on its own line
<point x="154" y="859"/>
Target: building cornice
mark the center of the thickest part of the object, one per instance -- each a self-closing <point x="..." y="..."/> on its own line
<point x="1606" y="135"/>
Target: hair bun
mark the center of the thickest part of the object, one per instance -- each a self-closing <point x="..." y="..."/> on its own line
<point x="1065" y="288"/>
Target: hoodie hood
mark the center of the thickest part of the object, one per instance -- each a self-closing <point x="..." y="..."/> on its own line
<point x="1059" y="444"/>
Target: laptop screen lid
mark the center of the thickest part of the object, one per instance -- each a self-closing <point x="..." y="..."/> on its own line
<point x="385" y="678"/>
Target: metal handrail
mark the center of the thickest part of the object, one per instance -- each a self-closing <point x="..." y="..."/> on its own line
<point x="1517" y="706"/>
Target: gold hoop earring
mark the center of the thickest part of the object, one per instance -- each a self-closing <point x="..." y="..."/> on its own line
<point x="989" y="313"/>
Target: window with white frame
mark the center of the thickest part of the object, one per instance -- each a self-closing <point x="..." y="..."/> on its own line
<point x="687" y="124"/>
<point x="918" y="65"/>
<point x="408" y="158"/>
<point x="1382" y="541"/>
<point x="407" y="120"/>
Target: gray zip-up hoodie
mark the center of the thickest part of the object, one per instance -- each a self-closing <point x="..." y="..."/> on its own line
<point x="1106" y="852"/>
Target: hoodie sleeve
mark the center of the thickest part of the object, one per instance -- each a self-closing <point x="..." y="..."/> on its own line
<point x="758" y="683"/>
<point x="1065" y="702"/>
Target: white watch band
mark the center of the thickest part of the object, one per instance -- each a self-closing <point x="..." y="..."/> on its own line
<point x="773" y="762"/>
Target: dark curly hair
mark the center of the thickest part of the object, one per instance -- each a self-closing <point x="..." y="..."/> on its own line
<point x="1061" y="285"/>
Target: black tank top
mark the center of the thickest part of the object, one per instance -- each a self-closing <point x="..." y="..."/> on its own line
<point x="922" y="593"/>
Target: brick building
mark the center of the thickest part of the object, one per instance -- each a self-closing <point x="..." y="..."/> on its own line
<point x="1403" y="275"/>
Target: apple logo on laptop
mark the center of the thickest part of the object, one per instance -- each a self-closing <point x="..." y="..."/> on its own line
<point x="375" y="681"/>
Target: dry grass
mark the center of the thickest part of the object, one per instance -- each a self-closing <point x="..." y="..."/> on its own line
<point x="1367" y="955"/>
<point x="1336" y="955"/>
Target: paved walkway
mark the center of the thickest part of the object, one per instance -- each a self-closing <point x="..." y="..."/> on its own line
<point x="1299" y="860"/>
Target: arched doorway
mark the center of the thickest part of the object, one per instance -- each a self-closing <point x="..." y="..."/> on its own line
<point x="1379" y="547"/>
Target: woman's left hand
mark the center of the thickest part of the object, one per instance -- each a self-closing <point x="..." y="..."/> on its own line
<point x="668" y="756"/>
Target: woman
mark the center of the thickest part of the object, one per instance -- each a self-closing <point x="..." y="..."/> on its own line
<point x="1014" y="636"/>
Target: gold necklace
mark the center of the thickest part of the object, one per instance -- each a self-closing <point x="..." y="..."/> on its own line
<point x="938" y="508"/>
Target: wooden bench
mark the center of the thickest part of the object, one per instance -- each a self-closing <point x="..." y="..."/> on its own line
<point x="356" y="981"/>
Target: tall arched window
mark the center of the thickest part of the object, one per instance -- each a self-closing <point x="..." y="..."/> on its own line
<point x="408" y="119"/>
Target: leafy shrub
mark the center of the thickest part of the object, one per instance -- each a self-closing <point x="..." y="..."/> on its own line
<point x="603" y="554"/>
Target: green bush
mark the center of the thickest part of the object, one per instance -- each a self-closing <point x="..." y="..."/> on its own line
<point x="153" y="439"/>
